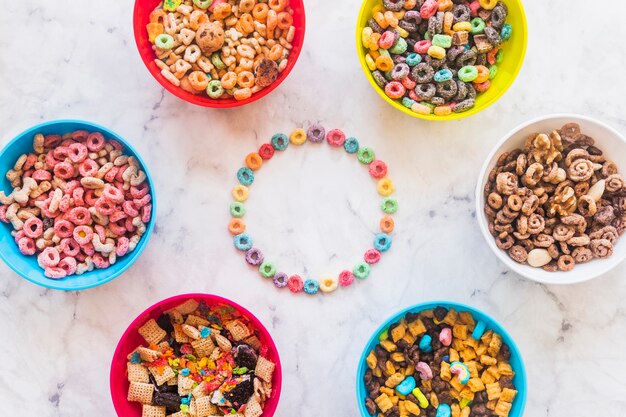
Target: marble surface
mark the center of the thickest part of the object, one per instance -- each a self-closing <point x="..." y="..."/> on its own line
<point x="312" y="208"/>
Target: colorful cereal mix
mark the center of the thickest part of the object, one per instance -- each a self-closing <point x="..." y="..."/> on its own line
<point x="221" y="48"/>
<point x="76" y="198"/>
<point x="202" y="359"/>
<point x="336" y="138"/>
<point x="413" y="369"/>
<point x="426" y="53"/>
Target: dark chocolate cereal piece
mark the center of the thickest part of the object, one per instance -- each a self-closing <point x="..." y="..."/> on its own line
<point x="447" y="89"/>
<point x="393" y="5"/>
<point x="425" y="91"/>
<point x="440" y="313"/>
<point x="493" y="36"/>
<point x="461" y="13"/>
<point x="464" y="105"/>
<point x="379" y="78"/>
<point x="375" y="26"/>
<point x="169" y="400"/>
<point x="423" y="73"/>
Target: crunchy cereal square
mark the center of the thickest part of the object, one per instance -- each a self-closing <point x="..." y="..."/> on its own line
<point x="140" y="392"/>
<point x="417" y="327"/>
<point x="187" y="307"/>
<point x="152" y="332"/>
<point x="508" y="395"/>
<point x="475" y="384"/>
<point x="196" y="321"/>
<point x="493" y="391"/>
<point x="137" y="373"/>
<point x="253" y="408"/>
<point x="238" y="330"/>
<point x="162" y="375"/>
<point x="460" y="331"/>
<point x="185" y="385"/>
<point x="264" y="369"/>
<point x="204" y="407"/>
<point x="505" y="369"/>
<point x="502" y="408"/>
<point x="203" y="347"/>
<point x="147" y="355"/>
<point x="152" y="411"/>
<point x="253" y="342"/>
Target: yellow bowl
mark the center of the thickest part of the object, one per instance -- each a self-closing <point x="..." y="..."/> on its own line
<point x="514" y="52"/>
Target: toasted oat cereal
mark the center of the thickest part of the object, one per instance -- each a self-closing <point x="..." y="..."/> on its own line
<point x="454" y="367"/>
<point x="209" y="372"/>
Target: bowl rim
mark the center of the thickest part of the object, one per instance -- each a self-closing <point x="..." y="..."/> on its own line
<point x="453" y="116"/>
<point x="425" y="305"/>
<point x="208" y="102"/>
<point x="277" y="388"/>
<point x="520" y="269"/>
<point x="54" y="284"/>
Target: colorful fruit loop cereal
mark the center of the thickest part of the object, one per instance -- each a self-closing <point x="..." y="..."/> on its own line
<point x="435" y="56"/>
<point x="439" y="363"/>
<point x="557" y="202"/>
<point x="279" y="142"/>
<point x="201" y="361"/>
<point x="221" y="48"/>
<point x="78" y="202"/>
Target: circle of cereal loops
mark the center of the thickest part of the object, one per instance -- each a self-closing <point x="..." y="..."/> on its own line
<point x="336" y="138"/>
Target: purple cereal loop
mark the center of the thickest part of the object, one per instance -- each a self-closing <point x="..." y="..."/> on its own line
<point x="254" y="257"/>
<point x="280" y="279"/>
<point x="316" y="133"/>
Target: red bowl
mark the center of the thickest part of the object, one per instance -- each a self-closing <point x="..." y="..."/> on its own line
<point x="131" y="339"/>
<point x="141" y="17"/>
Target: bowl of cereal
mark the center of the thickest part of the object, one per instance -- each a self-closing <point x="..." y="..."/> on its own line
<point x="199" y="354"/>
<point x="445" y="357"/>
<point x="219" y="53"/>
<point x="76" y="204"/>
<point x="551" y="199"/>
<point x="441" y="60"/>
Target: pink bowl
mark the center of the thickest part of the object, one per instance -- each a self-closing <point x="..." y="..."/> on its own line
<point x="131" y="339"/>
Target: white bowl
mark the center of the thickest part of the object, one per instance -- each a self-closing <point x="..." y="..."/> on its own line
<point x="612" y="144"/>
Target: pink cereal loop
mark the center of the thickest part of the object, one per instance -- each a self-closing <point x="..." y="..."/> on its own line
<point x="372" y="256"/>
<point x="27" y="246"/>
<point x="19" y="235"/>
<point x="336" y="137"/>
<point x="70" y="186"/>
<point x="346" y="278"/>
<point x="146" y="213"/>
<point x="33" y="227"/>
<point x="120" y="172"/>
<point x="77" y="152"/>
<point x="295" y="284"/>
<point x="116" y="145"/>
<point x="64" y="204"/>
<point x="95" y="142"/>
<point x="60" y="152"/>
<point x="54" y="272"/>
<point x="99" y="261"/>
<point x="48" y="257"/>
<point x="378" y="169"/>
<point x="78" y="195"/>
<point x="80" y="135"/>
<point x="79" y="216"/>
<point x="101" y="232"/>
<point x="50" y="141"/>
<point x="110" y="176"/>
<point x="42" y="175"/>
<point x="445" y="336"/>
<point x="140" y="202"/>
<point x="68" y="264"/>
<point x="122" y="246"/>
<point x="70" y="247"/>
<point x="88" y="249"/>
<point x="64" y="170"/>
<point x="63" y="228"/>
<point x="82" y="235"/>
<point x="130" y="209"/>
<point x="119" y="228"/>
<point x="90" y="197"/>
<point x="88" y="168"/>
<point x="31" y="159"/>
<point x="104" y="206"/>
<point x="50" y="161"/>
<point x="424" y="370"/>
<point x="67" y="142"/>
<point x="112" y="194"/>
<point x="139" y="191"/>
<point x="117" y="216"/>
<point x="129" y="225"/>
<point x="3" y="214"/>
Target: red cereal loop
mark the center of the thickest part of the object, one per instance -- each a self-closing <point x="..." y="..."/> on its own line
<point x="51" y="140"/>
<point x="27" y="246"/>
<point x="82" y="235"/>
<point x="19" y="235"/>
<point x="77" y="152"/>
<point x="63" y="228"/>
<point x="95" y="142"/>
<point x="295" y="284"/>
<point x="116" y="145"/>
<point x="80" y="135"/>
<point x="266" y="151"/>
<point x="68" y="264"/>
<point x="372" y="256"/>
<point x="120" y="173"/>
<point x="64" y="204"/>
<point x="88" y="168"/>
<point x="79" y="216"/>
<point x="336" y="137"/>
<point x="122" y="246"/>
<point x="129" y="225"/>
<point x="346" y="278"/>
<point x="64" y="170"/>
<point x="378" y="169"/>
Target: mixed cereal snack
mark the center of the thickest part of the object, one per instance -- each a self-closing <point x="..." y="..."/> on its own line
<point x="78" y="202"/>
<point x="435" y="56"/>
<point x="200" y="361"/>
<point x="557" y="202"/>
<point x="222" y="48"/>
<point x="439" y="363"/>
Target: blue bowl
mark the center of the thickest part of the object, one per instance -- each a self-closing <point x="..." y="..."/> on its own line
<point x="26" y="266"/>
<point x="519" y="380"/>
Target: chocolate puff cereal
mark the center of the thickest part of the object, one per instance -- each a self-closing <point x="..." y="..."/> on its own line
<point x="201" y="361"/>
<point x="557" y="202"/>
<point x="439" y="363"/>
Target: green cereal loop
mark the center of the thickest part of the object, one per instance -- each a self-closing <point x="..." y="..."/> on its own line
<point x="499" y="56"/>
<point x="237" y="209"/>
<point x="493" y="71"/>
<point x="164" y="42"/>
<point x="267" y="269"/>
<point x="389" y="205"/>
<point x="361" y="270"/>
<point x="217" y="61"/>
<point x="215" y="89"/>
<point x="400" y="47"/>
<point x="203" y="4"/>
<point x="384" y="52"/>
<point x="366" y="155"/>
<point x="478" y="26"/>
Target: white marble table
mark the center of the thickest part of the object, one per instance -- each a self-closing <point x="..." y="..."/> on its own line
<point x="312" y="207"/>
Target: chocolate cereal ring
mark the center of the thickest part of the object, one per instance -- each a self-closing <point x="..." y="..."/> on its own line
<point x="423" y="73"/>
<point x="425" y="91"/>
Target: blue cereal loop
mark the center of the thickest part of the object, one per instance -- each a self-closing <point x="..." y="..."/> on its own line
<point x="205" y="332"/>
<point x="443" y="410"/>
<point x="505" y="32"/>
<point x="243" y="242"/>
<point x="382" y="242"/>
<point x="443" y="75"/>
<point x="311" y="286"/>
<point x="280" y="141"/>
<point x="407" y="102"/>
<point x="479" y="330"/>
<point x="425" y="344"/>
<point x="413" y="59"/>
<point x="185" y="372"/>
<point x="135" y="358"/>
<point x="351" y="145"/>
<point x="245" y="176"/>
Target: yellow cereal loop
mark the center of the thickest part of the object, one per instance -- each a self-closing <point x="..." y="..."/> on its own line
<point x="371" y="64"/>
<point x="403" y="33"/>
<point x="298" y="137"/>
<point x="240" y="193"/>
<point x="462" y="27"/>
<point x="385" y="187"/>
<point x="328" y="284"/>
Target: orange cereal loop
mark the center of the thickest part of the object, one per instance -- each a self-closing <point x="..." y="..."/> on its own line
<point x="410" y="4"/>
<point x="240" y="193"/>
<point x="254" y="161"/>
<point x="245" y="79"/>
<point x="379" y="17"/>
<point x="277" y="5"/>
<point x="246" y="23"/>
<point x="157" y="16"/>
<point x="384" y="63"/>
<point x="386" y="224"/>
<point x="198" y="80"/>
<point x="246" y="6"/>
<point x="197" y="18"/>
<point x="445" y="5"/>
<point x="285" y="20"/>
<point x="260" y="11"/>
<point x="222" y="11"/>
<point x="242" y="94"/>
<point x="236" y="226"/>
<point x="483" y="74"/>
<point x="154" y="30"/>
<point x="275" y="53"/>
<point x="229" y="80"/>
